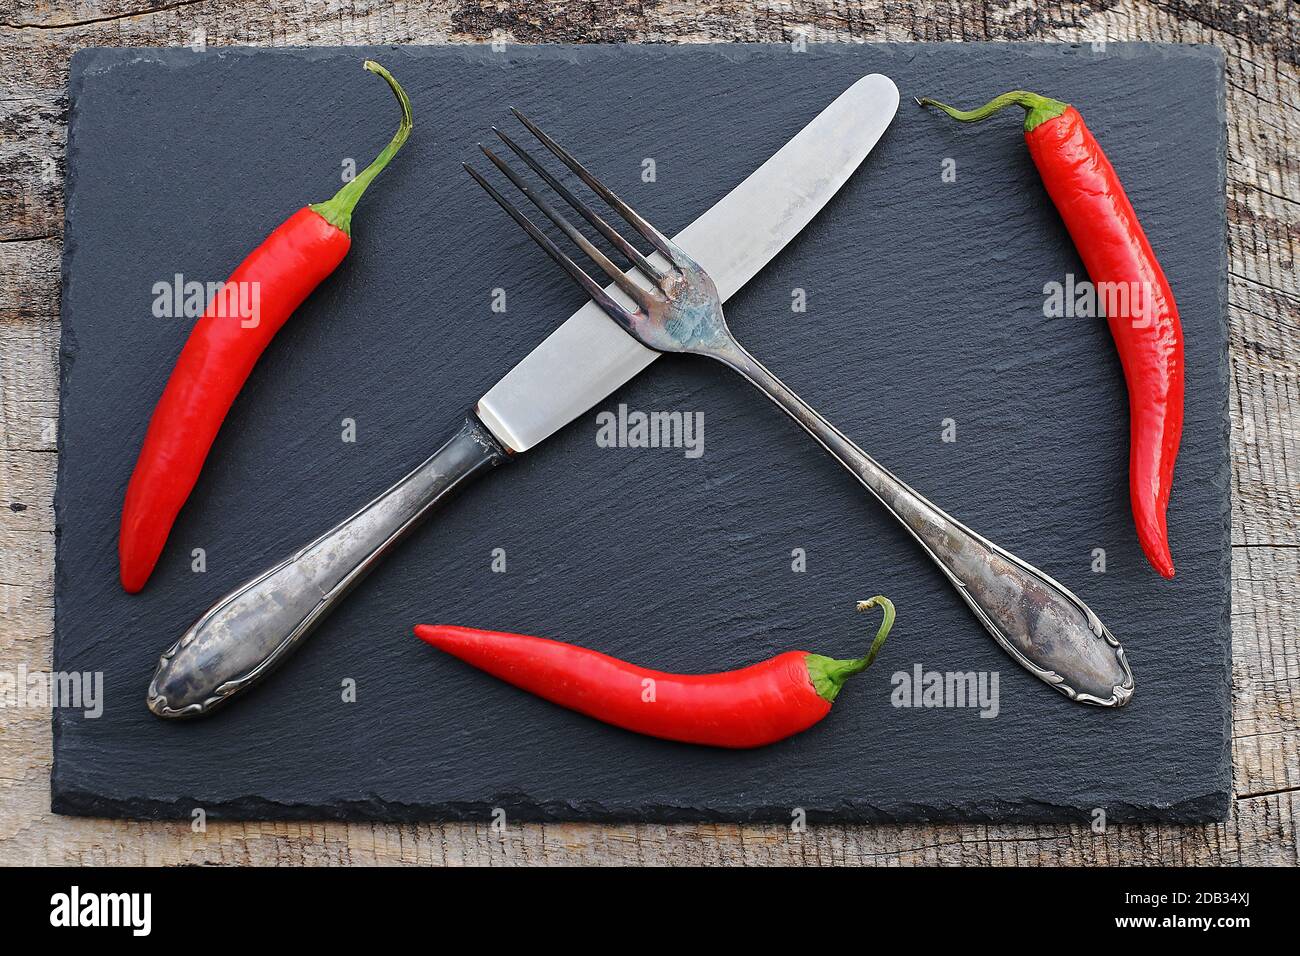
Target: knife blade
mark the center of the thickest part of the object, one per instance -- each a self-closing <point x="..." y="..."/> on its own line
<point x="253" y="629"/>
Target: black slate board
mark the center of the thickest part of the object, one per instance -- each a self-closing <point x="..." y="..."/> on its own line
<point x="924" y="304"/>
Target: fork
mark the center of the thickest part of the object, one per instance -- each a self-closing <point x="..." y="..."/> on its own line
<point x="668" y="303"/>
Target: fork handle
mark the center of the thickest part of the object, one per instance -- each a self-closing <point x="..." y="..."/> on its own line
<point x="251" y="630"/>
<point x="1039" y="622"/>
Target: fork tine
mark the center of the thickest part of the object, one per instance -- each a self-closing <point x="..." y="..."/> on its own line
<point x="609" y="232"/>
<point x="656" y="238"/>
<point x="588" y="284"/>
<point x="582" y="242"/>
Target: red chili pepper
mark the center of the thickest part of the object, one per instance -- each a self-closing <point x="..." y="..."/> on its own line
<point x="750" y="707"/>
<point x="222" y="349"/>
<point x="1115" y="250"/>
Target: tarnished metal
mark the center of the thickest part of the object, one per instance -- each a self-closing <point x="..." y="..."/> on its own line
<point x="675" y="307"/>
<point x="253" y="629"/>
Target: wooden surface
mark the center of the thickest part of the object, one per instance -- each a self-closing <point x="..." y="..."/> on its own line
<point x="1261" y="47"/>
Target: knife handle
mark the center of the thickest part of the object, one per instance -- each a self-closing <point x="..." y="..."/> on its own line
<point x="1035" y="619"/>
<point x="255" y="627"/>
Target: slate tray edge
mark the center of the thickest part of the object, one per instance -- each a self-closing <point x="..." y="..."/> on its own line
<point x="1223" y="389"/>
<point x="1210" y="807"/>
<point x="79" y="64"/>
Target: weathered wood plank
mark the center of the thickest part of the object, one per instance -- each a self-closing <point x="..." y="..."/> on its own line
<point x="1263" y="101"/>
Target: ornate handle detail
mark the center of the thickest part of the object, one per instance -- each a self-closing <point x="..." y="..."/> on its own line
<point x="251" y="630"/>
<point x="1036" y="620"/>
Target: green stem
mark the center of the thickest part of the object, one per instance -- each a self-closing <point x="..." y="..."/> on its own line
<point x="1038" y="109"/>
<point x="337" y="210"/>
<point x="829" y="674"/>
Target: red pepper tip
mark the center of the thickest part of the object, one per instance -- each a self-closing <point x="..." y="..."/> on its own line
<point x="442" y="636"/>
<point x="132" y="572"/>
<point x="1163" y="563"/>
<point x="1154" y="537"/>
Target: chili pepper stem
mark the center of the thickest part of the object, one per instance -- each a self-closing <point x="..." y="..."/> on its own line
<point x="1038" y="109"/>
<point x="337" y="210"/>
<point x="828" y="674"/>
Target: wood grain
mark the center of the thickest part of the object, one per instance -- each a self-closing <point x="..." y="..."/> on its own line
<point x="1260" y="43"/>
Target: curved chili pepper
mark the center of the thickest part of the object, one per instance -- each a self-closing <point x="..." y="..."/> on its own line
<point x="750" y="707"/>
<point x="223" y="348"/>
<point x="1106" y="231"/>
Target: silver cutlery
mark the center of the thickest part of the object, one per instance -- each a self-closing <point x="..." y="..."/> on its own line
<point x="669" y="303"/>
<point x="258" y="625"/>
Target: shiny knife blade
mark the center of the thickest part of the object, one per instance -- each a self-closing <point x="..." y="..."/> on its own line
<point x="588" y="357"/>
